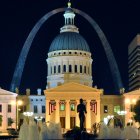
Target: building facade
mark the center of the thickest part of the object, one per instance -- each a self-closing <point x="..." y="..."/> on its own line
<point x="7" y="109"/>
<point x="70" y="78"/>
<point x="134" y="63"/>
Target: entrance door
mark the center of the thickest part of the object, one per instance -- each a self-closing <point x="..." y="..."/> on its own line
<point x="72" y="122"/>
<point x="62" y="121"/>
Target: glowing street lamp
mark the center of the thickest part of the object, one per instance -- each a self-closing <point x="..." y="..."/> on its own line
<point x="18" y="103"/>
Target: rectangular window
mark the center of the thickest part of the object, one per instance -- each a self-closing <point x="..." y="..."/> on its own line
<point x="9" y="108"/>
<point x="62" y="107"/>
<point x="43" y="109"/>
<point x="117" y="108"/>
<point x="72" y="107"/>
<point x="0" y="108"/>
<point x="35" y="109"/>
<point x="105" y="109"/>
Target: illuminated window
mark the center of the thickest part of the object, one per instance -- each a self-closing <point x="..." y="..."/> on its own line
<point x="9" y="108"/>
<point x="117" y="108"/>
<point x="105" y="109"/>
<point x="0" y="108"/>
<point x="62" y="107"/>
<point x="72" y="107"/>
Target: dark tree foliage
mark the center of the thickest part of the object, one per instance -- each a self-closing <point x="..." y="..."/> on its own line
<point x="136" y="110"/>
<point x="0" y="119"/>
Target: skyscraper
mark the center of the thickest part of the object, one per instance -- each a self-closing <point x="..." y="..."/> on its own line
<point x="134" y="63"/>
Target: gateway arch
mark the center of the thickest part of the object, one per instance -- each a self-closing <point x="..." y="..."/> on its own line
<point x="26" y="47"/>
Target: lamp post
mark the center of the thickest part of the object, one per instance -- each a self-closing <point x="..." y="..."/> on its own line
<point x="18" y="103"/>
<point x="28" y="114"/>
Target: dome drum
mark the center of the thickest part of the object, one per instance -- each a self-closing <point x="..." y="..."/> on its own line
<point x="69" y="53"/>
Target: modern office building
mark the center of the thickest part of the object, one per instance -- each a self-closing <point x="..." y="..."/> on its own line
<point x="134" y="63"/>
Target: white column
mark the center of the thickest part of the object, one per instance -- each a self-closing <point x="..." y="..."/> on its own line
<point x="52" y="66"/>
<point x="78" y="67"/>
<point x="61" y="67"/>
<point x="67" y="66"/>
<point x="56" y="67"/>
<point x="67" y="121"/>
<point x="87" y="68"/>
<point x="57" y="115"/>
<point x="98" y="111"/>
<point x="90" y="68"/>
<point x="5" y="117"/>
<point x="77" y="115"/>
<point x="88" y="115"/>
<point x="73" y="67"/>
<point x="49" y="69"/>
<point x="47" y="111"/>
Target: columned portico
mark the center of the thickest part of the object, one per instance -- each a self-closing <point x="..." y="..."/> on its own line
<point x="69" y="94"/>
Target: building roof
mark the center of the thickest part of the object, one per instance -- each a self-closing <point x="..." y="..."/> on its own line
<point x="134" y="92"/>
<point x="69" y="41"/>
<point x="6" y="92"/>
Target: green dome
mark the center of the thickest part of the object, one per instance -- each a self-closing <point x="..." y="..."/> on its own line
<point x="69" y="41"/>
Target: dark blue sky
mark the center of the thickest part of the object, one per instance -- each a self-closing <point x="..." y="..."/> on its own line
<point x="119" y="20"/>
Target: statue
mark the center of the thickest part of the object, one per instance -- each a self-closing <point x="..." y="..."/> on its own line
<point x="81" y="109"/>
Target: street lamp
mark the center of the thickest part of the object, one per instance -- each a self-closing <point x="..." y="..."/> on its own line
<point x="18" y="103"/>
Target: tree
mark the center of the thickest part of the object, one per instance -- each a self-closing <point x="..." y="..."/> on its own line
<point x="136" y="110"/>
<point x="0" y="120"/>
<point x="10" y="122"/>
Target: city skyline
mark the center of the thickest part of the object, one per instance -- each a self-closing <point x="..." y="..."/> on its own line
<point x="118" y="22"/>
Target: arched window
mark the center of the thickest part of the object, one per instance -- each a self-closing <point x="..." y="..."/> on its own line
<point x="75" y="68"/>
<point x="54" y="69"/>
<point x="84" y="69"/>
<point x="64" y="68"/>
<point x="70" y="68"/>
<point x="80" y="68"/>
<point x="59" y="69"/>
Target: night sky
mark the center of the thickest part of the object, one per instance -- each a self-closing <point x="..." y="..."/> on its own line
<point x="119" y="20"/>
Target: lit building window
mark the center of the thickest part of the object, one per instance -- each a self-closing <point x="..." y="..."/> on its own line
<point x="72" y="107"/>
<point x="35" y="109"/>
<point x="62" y="107"/>
<point x="9" y="108"/>
<point x="0" y="108"/>
<point x="43" y="109"/>
<point x="105" y="109"/>
<point x="117" y="108"/>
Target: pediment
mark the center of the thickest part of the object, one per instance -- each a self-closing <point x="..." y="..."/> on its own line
<point x="6" y="92"/>
<point x="73" y="87"/>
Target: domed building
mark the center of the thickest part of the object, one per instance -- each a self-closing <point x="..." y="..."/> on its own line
<point x="70" y="77"/>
